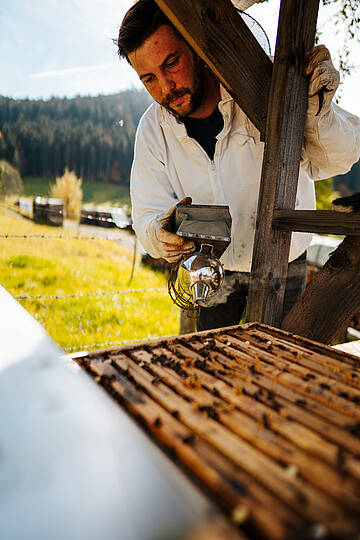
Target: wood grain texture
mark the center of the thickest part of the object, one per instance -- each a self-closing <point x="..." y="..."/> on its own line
<point x="284" y="135"/>
<point x="217" y="33"/>
<point x="317" y="221"/>
<point x="201" y="421"/>
<point x="331" y="298"/>
<point x="263" y="419"/>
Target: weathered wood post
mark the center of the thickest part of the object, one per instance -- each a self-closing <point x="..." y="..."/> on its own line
<point x="283" y="144"/>
<point x="334" y="295"/>
<point x="217" y="33"/>
<point x="332" y="298"/>
<point x="213" y="29"/>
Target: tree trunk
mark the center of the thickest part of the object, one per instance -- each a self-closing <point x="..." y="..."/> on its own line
<point x="331" y="298"/>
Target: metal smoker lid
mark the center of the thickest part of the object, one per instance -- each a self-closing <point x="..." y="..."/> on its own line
<point x="204" y="223"/>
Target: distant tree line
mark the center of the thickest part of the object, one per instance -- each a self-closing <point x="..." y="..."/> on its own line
<point x="10" y="180"/>
<point x="349" y="183"/>
<point x="93" y="136"/>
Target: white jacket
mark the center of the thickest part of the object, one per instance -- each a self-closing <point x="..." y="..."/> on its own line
<point x="169" y="165"/>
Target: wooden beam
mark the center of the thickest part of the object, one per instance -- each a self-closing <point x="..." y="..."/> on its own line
<point x="284" y="136"/>
<point x="317" y="221"/>
<point x="331" y="298"/>
<point x="217" y="33"/>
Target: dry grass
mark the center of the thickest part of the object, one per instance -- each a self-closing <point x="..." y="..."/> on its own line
<point x="68" y="188"/>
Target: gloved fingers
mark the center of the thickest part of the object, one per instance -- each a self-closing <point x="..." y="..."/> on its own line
<point x="317" y="54"/>
<point x="173" y="245"/>
<point x="164" y="218"/>
<point x="316" y="83"/>
<point x="171" y="249"/>
<point x="169" y="238"/>
<point x="172" y="255"/>
<point x="324" y="77"/>
<point x="172" y="258"/>
<point x="185" y="249"/>
<point x="324" y="80"/>
<point x="186" y="200"/>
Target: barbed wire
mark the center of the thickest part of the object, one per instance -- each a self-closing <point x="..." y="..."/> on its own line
<point x="112" y="343"/>
<point x="83" y="295"/>
<point x="56" y="237"/>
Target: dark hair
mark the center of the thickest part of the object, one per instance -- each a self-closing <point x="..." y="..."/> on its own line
<point x="139" y="23"/>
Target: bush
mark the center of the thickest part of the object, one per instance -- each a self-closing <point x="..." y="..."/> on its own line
<point x="68" y="188"/>
<point x="10" y="180"/>
<point x="325" y="194"/>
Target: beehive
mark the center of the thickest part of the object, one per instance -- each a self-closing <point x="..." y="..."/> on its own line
<point x="267" y="422"/>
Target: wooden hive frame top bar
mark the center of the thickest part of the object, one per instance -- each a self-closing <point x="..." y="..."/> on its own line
<point x="262" y="418"/>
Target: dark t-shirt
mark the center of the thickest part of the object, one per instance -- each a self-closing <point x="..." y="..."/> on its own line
<point x="204" y="130"/>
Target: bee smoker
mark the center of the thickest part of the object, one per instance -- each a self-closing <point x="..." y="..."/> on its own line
<point x="200" y="275"/>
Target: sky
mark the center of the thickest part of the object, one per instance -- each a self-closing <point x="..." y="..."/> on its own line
<point x="64" y="48"/>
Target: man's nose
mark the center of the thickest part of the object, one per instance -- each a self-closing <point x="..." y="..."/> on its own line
<point x="166" y="84"/>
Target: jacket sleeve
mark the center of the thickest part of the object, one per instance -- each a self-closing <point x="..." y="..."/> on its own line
<point x="150" y="187"/>
<point x="331" y="141"/>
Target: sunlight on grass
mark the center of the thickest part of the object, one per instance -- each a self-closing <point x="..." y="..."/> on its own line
<point x="61" y="267"/>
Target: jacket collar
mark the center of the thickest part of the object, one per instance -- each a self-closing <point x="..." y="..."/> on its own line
<point x="227" y="107"/>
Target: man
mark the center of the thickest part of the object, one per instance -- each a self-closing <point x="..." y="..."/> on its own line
<point x="196" y="143"/>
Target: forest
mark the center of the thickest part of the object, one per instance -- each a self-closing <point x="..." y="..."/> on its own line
<point x="349" y="183"/>
<point x="93" y="136"/>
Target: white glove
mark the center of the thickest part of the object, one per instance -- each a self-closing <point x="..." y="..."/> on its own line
<point x="324" y="80"/>
<point x="170" y="246"/>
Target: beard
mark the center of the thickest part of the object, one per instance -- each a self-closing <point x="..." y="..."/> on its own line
<point x="196" y="93"/>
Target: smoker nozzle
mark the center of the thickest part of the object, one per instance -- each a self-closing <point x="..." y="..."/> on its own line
<point x="200" y="291"/>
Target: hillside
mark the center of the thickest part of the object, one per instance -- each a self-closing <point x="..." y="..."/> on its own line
<point x="93" y="136"/>
<point x="349" y="183"/>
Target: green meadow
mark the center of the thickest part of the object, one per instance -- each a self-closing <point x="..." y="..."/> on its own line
<point x="63" y="267"/>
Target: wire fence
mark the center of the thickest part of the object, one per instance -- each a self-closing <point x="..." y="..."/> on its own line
<point x="84" y="295"/>
<point x="80" y="348"/>
<point x="79" y="295"/>
<point x="58" y="236"/>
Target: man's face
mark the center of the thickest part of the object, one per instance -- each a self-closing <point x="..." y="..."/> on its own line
<point x="170" y="72"/>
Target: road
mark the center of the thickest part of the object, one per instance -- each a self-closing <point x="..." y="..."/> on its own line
<point x="125" y="238"/>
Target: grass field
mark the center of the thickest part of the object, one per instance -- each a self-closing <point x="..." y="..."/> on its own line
<point x="93" y="192"/>
<point x="63" y="267"/>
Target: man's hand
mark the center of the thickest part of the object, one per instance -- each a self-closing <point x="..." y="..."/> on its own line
<point x="324" y="78"/>
<point x="171" y="246"/>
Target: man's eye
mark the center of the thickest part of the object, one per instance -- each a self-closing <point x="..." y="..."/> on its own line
<point x="172" y="62"/>
<point x="148" y="79"/>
